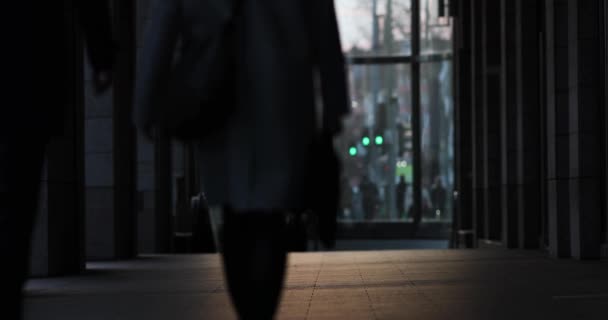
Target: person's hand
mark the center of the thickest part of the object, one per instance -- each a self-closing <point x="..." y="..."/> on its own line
<point x="102" y="81"/>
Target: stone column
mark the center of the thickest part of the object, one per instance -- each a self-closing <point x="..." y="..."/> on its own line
<point x="163" y="218"/>
<point x="58" y="238"/>
<point x="146" y="225"/>
<point x="125" y="145"/>
<point x="528" y="120"/>
<point x="110" y="152"/>
<point x="556" y="37"/>
<point x="180" y="198"/>
<point x="145" y="196"/>
<point x="154" y="188"/>
<point x="605" y="55"/>
<point x="491" y="59"/>
<point x="463" y="119"/>
<point x="585" y="126"/>
<point x="477" y="119"/>
<point x="508" y="107"/>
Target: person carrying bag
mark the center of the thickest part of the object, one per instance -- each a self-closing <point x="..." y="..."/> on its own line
<point x="259" y="87"/>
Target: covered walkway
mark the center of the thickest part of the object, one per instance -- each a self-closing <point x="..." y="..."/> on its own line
<point x="415" y="284"/>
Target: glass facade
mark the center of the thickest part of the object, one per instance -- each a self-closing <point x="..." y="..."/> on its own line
<point x="375" y="27"/>
<point x="435" y="27"/>
<point x="437" y="143"/>
<point x="378" y="144"/>
<point x="375" y="149"/>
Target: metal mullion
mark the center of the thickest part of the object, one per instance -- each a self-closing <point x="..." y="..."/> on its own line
<point x="365" y="60"/>
<point x="604" y="16"/>
<point x="416" y="114"/>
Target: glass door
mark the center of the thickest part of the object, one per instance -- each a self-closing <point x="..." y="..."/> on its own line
<point x="397" y="146"/>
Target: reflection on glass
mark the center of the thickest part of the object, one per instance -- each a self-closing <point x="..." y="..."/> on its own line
<point x="376" y="145"/>
<point x="374" y="27"/>
<point x="435" y="27"/>
<point x="437" y="140"/>
<point x="383" y="27"/>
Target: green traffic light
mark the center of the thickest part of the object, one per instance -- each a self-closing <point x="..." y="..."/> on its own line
<point x="352" y="151"/>
<point x="366" y="141"/>
<point x="379" y="140"/>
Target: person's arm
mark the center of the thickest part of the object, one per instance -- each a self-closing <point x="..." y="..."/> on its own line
<point x="331" y="64"/>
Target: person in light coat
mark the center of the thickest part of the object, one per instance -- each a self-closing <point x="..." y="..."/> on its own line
<point x="290" y="90"/>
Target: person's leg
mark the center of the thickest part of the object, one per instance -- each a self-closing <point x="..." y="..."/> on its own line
<point x="20" y="168"/>
<point x="254" y="256"/>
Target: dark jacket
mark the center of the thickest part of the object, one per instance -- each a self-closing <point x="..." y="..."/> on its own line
<point x="289" y="56"/>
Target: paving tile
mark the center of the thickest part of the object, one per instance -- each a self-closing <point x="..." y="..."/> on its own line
<point x="435" y="284"/>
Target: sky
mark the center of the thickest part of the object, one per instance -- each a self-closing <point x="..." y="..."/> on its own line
<point x="355" y="22"/>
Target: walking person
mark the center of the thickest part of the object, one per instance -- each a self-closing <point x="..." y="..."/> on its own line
<point x="259" y="157"/>
<point x="37" y="68"/>
<point x="369" y="193"/>
<point x="400" y="191"/>
<point x="438" y="197"/>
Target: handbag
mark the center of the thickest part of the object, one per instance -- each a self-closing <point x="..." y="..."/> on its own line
<point x="199" y="106"/>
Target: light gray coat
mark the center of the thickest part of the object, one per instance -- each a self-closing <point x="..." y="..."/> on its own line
<point x="288" y="49"/>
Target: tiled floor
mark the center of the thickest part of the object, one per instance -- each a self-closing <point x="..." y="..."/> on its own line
<point x="417" y="284"/>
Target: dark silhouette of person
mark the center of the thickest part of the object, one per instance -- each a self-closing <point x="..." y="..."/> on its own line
<point x="438" y="197"/>
<point x="36" y="63"/>
<point x="417" y="218"/>
<point x="369" y="194"/>
<point x="401" y="189"/>
<point x="346" y="196"/>
<point x="260" y="164"/>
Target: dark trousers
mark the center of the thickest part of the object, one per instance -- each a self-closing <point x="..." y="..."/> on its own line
<point x="254" y="252"/>
<point x="21" y="164"/>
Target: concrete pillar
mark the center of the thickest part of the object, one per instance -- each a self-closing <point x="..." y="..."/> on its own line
<point x="477" y="120"/>
<point x="463" y="119"/>
<point x="179" y="199"/>
<point x="163" y="218"/>
<point x="605" y="55"/>
<point x="508" y="107"/>
<point x="146" y="225"/>
<point x="154" y="177"/>
<point x="491" y="59"/>
<point x="110" y="152"/>
<point x="556" y="58"/>
<point x="145" y="196"/>
<point x="58" y="238"/>
<point x="585" y="126"/>
<point x="124" y="131"/>
<point x="528" y="122"/>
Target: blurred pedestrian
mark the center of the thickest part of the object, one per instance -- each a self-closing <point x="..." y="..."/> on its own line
<point x="264" y="137"/>
<point x="438" y="197"/>
<point x="401" y="189"/>
<point x="369" y="193"/>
